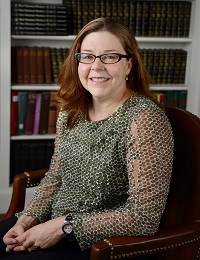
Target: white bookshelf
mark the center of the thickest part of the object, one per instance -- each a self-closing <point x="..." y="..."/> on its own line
<point x="192" y="82"/>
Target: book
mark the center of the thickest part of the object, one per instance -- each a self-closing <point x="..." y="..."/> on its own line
<point x="145" y="18"/>
<point x="26" y="65"/>
<point x="52" y="114"/>
<point x="152" y="17"/>
<point x="22" y="107"/>
<point x="44" y="114"/>
<point x="168" y="21"/>
<point x="47" y="65"/>
<point x="14" y="113"/>
<point x="33" y="65"/>
<point x="132" y="18"/>
<point x="139" y="12"/>
<point x="181" y="18"/>
<point x="19" y="66"/>
<point x="37" y="113"/>
<point x="41" y="66"/>
<point x="186" y="29"/>
<point x="30" y="113"/>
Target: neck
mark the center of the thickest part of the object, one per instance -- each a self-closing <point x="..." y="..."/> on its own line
<point x="100" y="110"/>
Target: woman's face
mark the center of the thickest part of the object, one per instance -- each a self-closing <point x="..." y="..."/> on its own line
<point x="102" y="80"/>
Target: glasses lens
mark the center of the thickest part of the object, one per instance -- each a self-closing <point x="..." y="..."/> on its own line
<point x="110" y="58"/>
<point x="86" y="57"/>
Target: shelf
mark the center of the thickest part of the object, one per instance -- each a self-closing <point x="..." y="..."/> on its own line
<point x="72" y="37"/>
<point x="32" y="137"/>
<point x="44" y="37"/>
<point x="35" y="87"/>
<point x="166" y="87"/>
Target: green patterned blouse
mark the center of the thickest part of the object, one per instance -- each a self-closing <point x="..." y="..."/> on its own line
<point x="111" y="175"/>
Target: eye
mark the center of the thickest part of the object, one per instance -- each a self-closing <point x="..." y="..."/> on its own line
<point x="87" y="57"/>
<point x="111" y="56"/>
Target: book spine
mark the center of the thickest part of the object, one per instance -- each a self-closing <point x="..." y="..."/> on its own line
<point x="139" y="6"/>
<point x="30" y="114"/>
<point x="168" y="22"/>
<point x="19" y="66"/>
<point x="52" y="114"/>
<point x="37" y="113"/>
<point x="182" y="99"/>
<point x="181" y="19"/>
<point x="175" y="12"/>
<point x="14" y="113"/>
<point x="33" y="65"/>
<point x="26" y="62"/>
<point x="152" y="18"/>
<point x="40" y="66"/>
<point x="47" y="65"/>
<point x="126" y="19"/>
<point x="145" y="19"/>
<point x="44" y="114"/>
<point x="22" y="107"/>
<point x="186" y="29"/>
<point x="132" y="19"/>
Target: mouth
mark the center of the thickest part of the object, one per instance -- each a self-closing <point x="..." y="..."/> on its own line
<point x="99" y="79"/>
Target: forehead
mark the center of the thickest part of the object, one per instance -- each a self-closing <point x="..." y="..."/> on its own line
<point x="101" y="41"/>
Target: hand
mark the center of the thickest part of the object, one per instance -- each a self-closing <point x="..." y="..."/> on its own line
<point x="42" y="236"/>
<point x="10" y="237"/>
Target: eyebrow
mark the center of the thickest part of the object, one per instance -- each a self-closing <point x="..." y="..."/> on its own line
<point x="106" y="51"/>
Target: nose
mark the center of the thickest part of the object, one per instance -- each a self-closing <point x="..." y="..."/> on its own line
<point x="98" y="64"/>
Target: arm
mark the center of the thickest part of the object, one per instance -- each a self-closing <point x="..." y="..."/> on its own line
<point x="40" y="205"/>
<point x="149" y="164"/>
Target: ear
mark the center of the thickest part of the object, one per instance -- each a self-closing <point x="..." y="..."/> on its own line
<point x="129" y="66"/>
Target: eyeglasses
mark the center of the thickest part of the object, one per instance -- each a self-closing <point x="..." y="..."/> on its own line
<point x="109" y="58"/>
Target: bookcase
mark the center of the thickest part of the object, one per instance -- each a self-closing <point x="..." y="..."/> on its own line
<point x="191" y="85"/>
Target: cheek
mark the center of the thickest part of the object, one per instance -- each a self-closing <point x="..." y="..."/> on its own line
<point x="82" y="71"/>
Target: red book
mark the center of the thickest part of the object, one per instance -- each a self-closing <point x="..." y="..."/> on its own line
<point x="14" y="113"/>
<point x="30" y="113"/>
<point x="33" y="65"/>
<point x="40" y="66"/>
<point x="47" y="66"/>
<point x="52" y="114"/>
<point x="26" y="64"/>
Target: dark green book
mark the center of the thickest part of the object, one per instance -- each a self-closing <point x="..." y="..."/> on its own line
<point x="145" y="18"/>
<point x="152" y="17"/>
<point x="168" y="21"/>
<point x="139" y="13"/>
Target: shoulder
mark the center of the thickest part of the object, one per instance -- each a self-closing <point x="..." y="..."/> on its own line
<point x="139" y="105"/>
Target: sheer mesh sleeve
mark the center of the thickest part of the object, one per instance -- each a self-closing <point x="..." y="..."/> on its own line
<point x="149" y="164"/>
<point x="41" y="203"/>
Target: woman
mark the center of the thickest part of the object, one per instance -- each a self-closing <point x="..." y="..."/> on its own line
<point x="111" y="168"/>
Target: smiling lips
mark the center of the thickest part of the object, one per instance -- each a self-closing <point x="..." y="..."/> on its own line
<point x="95" y="79"/>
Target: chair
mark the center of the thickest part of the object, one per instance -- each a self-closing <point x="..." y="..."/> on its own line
<point x="178" y="236"/>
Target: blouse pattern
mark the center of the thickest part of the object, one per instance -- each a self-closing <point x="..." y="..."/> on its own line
<point x="112" y="175"/>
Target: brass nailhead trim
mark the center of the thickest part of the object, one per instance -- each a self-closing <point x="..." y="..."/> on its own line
<point x="28" y="183"/>
<point x="154" y="250"/>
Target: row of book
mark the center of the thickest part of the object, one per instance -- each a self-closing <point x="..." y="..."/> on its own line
<point x="40" y="19"/>
<point x="165" y="65"/>
<point x="145" y="18"/>
<point x="30" y="155"/>
<point x="172" y="98"/>
<point x="40" y="65"/>
<point x="33" y="112"/>
<point x="36" y="65"/>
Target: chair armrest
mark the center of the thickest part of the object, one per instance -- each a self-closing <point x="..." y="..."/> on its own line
<point x="20" y="183"/>
<point x="129" y="246"/>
